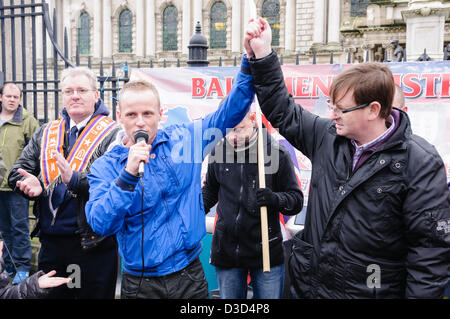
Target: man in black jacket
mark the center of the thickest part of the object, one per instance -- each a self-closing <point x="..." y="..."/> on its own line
<point x="232" y="180"/>
<point x="52" y="171"/>
<point x="378" y="219"/>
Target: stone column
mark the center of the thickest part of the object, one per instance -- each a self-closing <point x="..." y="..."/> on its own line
<point x="334" y="13"/>
<point x="107" y="29"/>
<point x="67" y="24"/>
<point x="319" y="23"/>
<point x="236" y="31"/>
<point x="150" y="41"/>
<point x="140" y="28"/>
<point x="97" y="36"/>
<point x="425" y="23"/>
<point x="186" y="27"/>
<point x="197" y="16"/>
<point x="289" y="32"/>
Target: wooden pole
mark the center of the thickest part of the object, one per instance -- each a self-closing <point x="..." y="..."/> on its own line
<point x="262" y="184"/>
<point x="261" y="174"/>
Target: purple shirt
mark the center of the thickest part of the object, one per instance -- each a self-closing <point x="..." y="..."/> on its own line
<point x="363" y="152"/>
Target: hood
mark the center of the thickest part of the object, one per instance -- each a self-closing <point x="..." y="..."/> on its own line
<point x="19" y="115"/>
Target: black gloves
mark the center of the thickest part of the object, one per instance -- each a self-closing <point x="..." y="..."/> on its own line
<point x="265" y="197"/>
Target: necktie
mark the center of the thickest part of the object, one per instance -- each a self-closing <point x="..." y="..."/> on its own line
<point x="60" y="191"/>
<point x="72" y="137"/>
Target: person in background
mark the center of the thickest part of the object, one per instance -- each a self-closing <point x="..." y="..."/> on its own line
<point x="399" y="99"/>
<point x="52" y="171"/>
<point x="236" y="246"/>
<point x="16" y="128"/>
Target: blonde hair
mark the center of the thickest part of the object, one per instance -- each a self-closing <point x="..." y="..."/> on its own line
<point x="140" y="85"/>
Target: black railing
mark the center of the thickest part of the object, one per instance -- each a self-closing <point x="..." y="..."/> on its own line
<point x="39" y="69"/>
<point x="29" y="64"/>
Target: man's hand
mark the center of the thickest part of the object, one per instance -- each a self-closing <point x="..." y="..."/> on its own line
<point x="266" y="197"/>
<point x="47" y="281"/>
<point x="1" y="248"/>
<point x="258" y="38"/>
<point x="30" y="185"/>
<point x="65" y="170"/>
<point x="138" y="152"/>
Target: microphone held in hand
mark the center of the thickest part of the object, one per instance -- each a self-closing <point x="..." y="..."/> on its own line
<point x="138" y="137"/>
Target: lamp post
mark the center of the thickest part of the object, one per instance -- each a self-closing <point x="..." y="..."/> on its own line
<point x="198" y="48"/>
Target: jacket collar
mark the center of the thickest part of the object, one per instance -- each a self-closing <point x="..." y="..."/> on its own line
<point x="18" y="115"/>
<point x="99" y="109"/>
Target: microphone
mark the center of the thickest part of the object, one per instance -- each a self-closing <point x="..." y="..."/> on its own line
<point x="138" y="137"/>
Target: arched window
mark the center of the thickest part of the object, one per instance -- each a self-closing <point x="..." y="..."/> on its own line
<point x="218" y="28"/>
<point x="125" y="31"/>
<point x="358" y="8"/>
<point x="84" y="33"/>
<point x="170" y="27"/>
<point x="271" y="12"/>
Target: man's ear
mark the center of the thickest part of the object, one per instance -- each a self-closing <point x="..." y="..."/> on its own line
<point x="374" y="110"/>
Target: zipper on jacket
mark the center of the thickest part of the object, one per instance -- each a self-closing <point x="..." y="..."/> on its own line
<point x="237" y="250"/>
<point x="4" y="136"/>
<point x="167" y="210"/>
<point x="170" y="168"/>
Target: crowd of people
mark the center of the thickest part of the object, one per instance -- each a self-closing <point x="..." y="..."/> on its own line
<point x="378" y="215"/>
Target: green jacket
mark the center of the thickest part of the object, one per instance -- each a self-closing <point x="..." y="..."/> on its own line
<point x="14" y="135"/>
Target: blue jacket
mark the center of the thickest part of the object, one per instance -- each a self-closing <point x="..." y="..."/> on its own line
<point x="173" y="211"/>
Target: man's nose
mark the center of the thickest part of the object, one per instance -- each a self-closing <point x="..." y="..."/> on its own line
<point x="333" y="116"/>
<point x="140" y="120"/>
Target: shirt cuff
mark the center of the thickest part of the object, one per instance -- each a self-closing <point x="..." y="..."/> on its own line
<point x="127" y="181"/>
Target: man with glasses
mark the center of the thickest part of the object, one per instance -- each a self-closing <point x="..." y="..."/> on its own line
<point x="52" y="171"/>
<point x="378" y="218"/>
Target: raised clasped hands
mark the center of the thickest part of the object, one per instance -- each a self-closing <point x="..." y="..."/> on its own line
<point x="258" y="38"/>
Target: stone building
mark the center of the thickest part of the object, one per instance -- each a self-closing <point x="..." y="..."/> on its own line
<point x="157" y="33"/>
<point x="131" y="30"/>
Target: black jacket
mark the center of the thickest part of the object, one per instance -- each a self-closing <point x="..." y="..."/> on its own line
<point x="70" y="219"/>
<point x="232" y="180"/>
<point x="27" y="289"/>
<point x="387" y="221"/>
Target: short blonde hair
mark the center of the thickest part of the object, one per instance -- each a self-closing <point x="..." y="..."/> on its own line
<point x="139" y="85"/>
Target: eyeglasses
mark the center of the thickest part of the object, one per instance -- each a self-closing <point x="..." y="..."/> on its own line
<point x="80" y="91"/>
<point x="339" y="111"/>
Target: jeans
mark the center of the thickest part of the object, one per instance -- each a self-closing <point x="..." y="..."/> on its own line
<point x="188" y="283"/>
<point x="14" y="226"/>
<point x="233" y="282"/>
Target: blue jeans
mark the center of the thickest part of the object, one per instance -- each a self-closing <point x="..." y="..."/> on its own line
<point x="233" y="282"/>
<point x="15" y="230"/>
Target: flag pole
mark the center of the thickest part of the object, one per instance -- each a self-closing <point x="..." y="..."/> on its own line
<point x="261" y="173"/>
<point x="262" y="184"/>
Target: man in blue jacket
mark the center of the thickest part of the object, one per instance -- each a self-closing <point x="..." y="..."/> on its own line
<point x="159" y="218"/>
